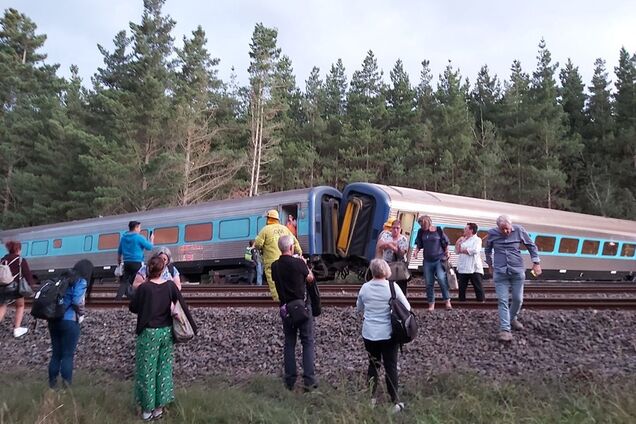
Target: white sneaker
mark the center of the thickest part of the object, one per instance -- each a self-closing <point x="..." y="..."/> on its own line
<point x="146" y="416"/>
<point x="398" y="407"/>
<point x="20" y="331"/>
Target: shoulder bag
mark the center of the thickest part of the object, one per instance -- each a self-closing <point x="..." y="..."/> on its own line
<point x="399" y="271"/>
<point x="181" y="328"/>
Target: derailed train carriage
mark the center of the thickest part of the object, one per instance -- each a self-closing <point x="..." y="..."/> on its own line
<point x="572" y="246"/>
<point x="205" y="239"/>
<point x="337" y="231"/>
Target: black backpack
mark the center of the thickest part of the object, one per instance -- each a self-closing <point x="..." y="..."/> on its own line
<point x="48" y="302"/>
<point x="403" y="323"/>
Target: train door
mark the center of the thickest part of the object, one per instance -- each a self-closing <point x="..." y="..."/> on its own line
<point x="289" y="217"/>
<point x="407" y="222"/>
<point x="356" y="226"/>
<point x="329" y="212"/>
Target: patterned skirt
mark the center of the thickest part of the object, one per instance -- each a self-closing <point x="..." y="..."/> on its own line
<point x="153" y="371"/>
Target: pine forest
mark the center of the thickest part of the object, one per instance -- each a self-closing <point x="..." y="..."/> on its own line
<point x="157" y="127"/>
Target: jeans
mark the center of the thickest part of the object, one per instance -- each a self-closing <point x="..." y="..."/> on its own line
<point x="432" y="270"/>
<point x="259" y="273"/>
<point x="504" y="283"/>
<point x="474" y="278"/>
<point x="306" y="331"/>
<point x="383" y="351"/>
<point x="64" y="337"/>
<point x="126" y="281"/>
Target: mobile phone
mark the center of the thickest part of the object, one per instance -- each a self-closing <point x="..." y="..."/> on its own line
<point x="150" y="233"/>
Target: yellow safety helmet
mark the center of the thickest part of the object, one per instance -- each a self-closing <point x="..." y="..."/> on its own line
<point x="273" y="213"/>
<point x="389" y="223"/>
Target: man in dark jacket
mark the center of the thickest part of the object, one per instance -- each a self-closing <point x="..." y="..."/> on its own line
<point x="291" y="276"/>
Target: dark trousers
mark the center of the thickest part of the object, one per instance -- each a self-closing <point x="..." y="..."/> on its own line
<point x="402" y="284"/>
<point x="383" y="351"/>
<point x="126" y="281"/>
<point x="306" y="331"/>
<point x="64" y="337"/>
<point x="474" y="278"/>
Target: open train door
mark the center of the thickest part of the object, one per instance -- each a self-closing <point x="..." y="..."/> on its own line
<point x="407" y="222"/>
<point x="324" y="210"/>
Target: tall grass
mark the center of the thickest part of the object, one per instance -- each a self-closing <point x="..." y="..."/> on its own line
<point x="446" y="399"/>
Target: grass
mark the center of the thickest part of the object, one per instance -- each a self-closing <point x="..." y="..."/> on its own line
<point x="98" y="398"/>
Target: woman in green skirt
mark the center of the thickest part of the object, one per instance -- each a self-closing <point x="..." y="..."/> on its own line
<point x="152" y="303"/>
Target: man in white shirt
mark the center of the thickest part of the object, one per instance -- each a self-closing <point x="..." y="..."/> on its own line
<point x="469" y="264"/>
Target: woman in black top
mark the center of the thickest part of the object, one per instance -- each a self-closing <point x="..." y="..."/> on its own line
<point x="20" y="268"/>
<point x="153" y="355"/>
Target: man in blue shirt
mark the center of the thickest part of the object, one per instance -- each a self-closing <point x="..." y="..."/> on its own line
<point x="509" y="271"/>
<point x="131" y="253"/>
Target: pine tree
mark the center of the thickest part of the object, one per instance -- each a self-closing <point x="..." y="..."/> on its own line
<point x="486" y="152"/>
<point x="421" y="150"/>
<point x="333" y="112"/>
<point x="366" y="113"/>
<point x="452" y="134"/>
<point x="572" y="97"/>
<point x="264" y="56"/>
<point x="207" y="163"/>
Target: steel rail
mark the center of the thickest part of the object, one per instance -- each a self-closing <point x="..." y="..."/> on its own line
<point x="418" y="303"/>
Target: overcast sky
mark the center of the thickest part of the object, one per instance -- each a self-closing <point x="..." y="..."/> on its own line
<point x="318" y="32"/>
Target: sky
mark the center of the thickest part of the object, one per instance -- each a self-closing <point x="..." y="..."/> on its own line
<point x="318" y="32"/>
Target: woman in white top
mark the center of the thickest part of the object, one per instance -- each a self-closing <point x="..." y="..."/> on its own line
<point x="469" y="264"/>
<point x="373" y="301"/>
<point x="170" y="272"/>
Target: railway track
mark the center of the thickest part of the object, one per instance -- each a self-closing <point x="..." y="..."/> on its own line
<point x="354" y="288"/>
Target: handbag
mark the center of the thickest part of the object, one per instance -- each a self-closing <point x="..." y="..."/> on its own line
<point x="297" y="312"/>
<point x="314" y="296"/>
<point x="399" y="271"/>
<point x="181" y="328"/>
<point x="24" y="288"/>
<point x="119" y="270"/>
<point x="451" y="277"/>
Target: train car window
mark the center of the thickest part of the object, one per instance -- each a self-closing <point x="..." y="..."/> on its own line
<point x="39" y="248"/>
<point x="590" y="247"/>
<point x="25" y="248"/>
<point x="88" y="243"/>
<point x="482" y="234"/>
<point x="453" y="234"/>
<point x="610" y="248"/>
<point x="234" y="228"/>
<point x="198" y="232"/>
<point x="260" y="223"/>
<point x="628" y="250"/>
<point x="57" y="243"/>
<point x="108" y="241"/>
<point x="545" y="243"/>
<point x="166" y="235"/>
<point x="569" y="245"/>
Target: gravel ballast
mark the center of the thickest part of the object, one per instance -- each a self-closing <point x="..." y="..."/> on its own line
<point x="241" y="342"/>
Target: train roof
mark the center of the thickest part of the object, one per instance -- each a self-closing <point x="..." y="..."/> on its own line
<point x="149" y="218"/>
<point x="540" y="219"/>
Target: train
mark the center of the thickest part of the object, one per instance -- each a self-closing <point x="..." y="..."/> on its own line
<point x="337" y="231"/>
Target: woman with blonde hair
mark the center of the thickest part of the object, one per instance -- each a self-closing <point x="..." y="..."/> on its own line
<point x="373" y="302"/>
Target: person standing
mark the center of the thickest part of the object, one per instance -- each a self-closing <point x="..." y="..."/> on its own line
<point x="291" y="277"/>
<point x="292" y="224"/>
<point x="19" y="267"/>
<point x="392" y="246"/>
<point x="255" y="266"/>
<point x="373" y="302"/>
<point x="470" y="267"/>
<point x="434" y="243"/>
<point x="267" y="242"/>
<point x="152" y="303"/>
<point x="131" y="253"/>
<point x="65" y="332"/>
<point x="508" y="270"/>
<point x="170" y="271"/>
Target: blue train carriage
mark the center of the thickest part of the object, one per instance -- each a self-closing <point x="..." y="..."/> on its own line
<point x="572" y="246"/>
<point x="203" y="238"/>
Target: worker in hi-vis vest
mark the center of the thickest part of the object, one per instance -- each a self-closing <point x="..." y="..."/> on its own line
<point x="267" y="242"/>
